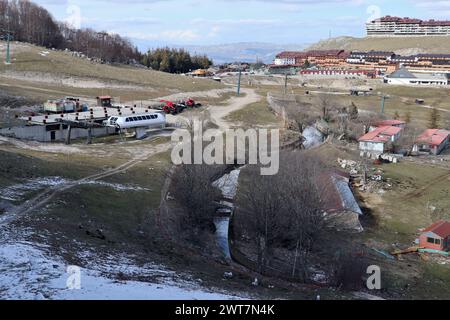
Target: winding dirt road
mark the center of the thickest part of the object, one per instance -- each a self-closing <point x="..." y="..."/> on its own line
<point x="219" y="113"/>
<point x="44" y="197"/>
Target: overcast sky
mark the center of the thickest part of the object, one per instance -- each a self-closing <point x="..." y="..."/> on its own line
<point x="206" y="22"/>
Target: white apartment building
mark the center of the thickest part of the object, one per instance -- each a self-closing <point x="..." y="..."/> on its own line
<point x="395" y="26"/>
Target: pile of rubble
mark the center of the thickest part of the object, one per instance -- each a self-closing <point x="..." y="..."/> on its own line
<point x="353" y="167"/>
<point x="366" y="179"/>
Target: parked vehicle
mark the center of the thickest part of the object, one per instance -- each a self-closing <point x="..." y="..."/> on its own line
<point x="150" y="120"/>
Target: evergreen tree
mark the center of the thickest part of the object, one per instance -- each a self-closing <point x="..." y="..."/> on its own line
<point x="434" y="120"/>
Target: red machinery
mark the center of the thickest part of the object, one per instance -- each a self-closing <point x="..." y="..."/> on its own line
<point x="175" y="108"/>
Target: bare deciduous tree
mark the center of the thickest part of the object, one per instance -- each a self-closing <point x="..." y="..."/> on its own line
<point x="284" y="210"/>
<point x="191" y="187"/>
<point x="325" y="106"/>
<point x="349" y="271"/>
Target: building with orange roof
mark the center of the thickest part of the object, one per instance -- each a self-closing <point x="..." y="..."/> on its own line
<point x="378" y="139"/>
<point x="432" y="141"/>
<point x="389" y="123"/>
<point x="436" y="236"/>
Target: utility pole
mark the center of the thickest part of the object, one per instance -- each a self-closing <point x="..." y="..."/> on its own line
<point x="8" y="37"/>
<point x="239" y="83"/>
<point x="285" y="83"/>
<point x="383" y="103"/>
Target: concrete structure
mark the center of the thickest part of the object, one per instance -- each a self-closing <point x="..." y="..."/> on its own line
<point x="323" y="58"/>
<point x="55" y="127"/>
<point x="340" y="73"/>
<point x="433" y="141"/>
<point x="405" y="77"/>
<point x="396" y="26"/>
<point x="377" y="141"/>
<point x="52" y="133"/>
<point x="436" y="236"/>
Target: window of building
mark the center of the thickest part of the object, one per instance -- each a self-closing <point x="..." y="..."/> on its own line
<point x="434" y="241"/>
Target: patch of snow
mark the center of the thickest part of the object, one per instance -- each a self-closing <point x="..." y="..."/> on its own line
<point x="97" y="287"/>
<point x="16" y="192"/>
<point x="29" y="272"/>
<point x="26" y="273"/>
<point x="228" y="184"/>
<point x="116" y="186"/>
<point x="313" y="137"/>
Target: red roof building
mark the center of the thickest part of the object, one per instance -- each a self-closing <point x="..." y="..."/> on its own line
<point x="436" y="236"/>
<point x="376" y="141"/>
<point x="433" y="141"/>
<point x="392" y="123"/>
<point x="318" y="57"/>
<point x="396" y="26"/>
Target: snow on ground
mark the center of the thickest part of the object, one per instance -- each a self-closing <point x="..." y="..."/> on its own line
<point x="29" y="271"/>
<point x="313" y="137"/>
<point x="228" y="184"/>
<point x="18" y="191"/>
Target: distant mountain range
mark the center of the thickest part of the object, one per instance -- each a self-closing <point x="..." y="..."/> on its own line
<point x="233" y="52"/>
<point x="243" y="52"/>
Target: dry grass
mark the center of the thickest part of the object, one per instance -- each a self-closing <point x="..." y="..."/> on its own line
<point x="254" y="115"/>
<point x="58" y="65"/>
<point x="418" y="44"/>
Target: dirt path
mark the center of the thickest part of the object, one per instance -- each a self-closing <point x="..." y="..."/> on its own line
<point x="59" y="92"/>
<point x="430" y="107"/>
<point x="421" y="191"/>
<point x="44" y="197"/>
<point x="219" y="113"/>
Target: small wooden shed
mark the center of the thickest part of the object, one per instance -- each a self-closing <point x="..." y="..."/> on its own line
<point x="436" y="236"/>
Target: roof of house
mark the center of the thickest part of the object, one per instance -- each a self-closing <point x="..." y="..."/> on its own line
<point x="402" y="74"/>
<point x="394" y="123"/>
<point x="408" y="20"/>
<point x="312" y="53"/>
<point x="440" y="228"/>
<point x="434" y="137"/>
<point x="336" y="194"/>
<point x="434" y="55"/>
<point x="381" y="134"/>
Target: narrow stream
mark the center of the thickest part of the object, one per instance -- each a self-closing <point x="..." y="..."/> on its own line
<point x="223" y="226"/>
<point x="228" y="185"/>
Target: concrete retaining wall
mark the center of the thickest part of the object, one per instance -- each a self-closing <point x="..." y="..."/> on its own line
<point x="40" y="133"/>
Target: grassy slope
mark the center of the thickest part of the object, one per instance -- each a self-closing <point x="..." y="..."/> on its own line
<point x="402" y="101"/>
<point x="27" y="59"/>
<point x="399" y="213"/>
<point x="255" y="115"/>
<point x="419" y="44"/>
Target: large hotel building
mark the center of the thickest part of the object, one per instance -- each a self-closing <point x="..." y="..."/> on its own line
<point x="395" y="26"/>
